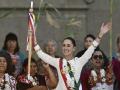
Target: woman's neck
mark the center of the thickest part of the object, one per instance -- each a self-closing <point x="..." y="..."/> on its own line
<point x="69" y="57"/>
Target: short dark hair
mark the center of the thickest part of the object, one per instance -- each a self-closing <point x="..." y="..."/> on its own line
<point x="105" y="58"/>
<point x="10" y="67"/>
<point x="72" y="40"/>
<point x="89" y="35"/>
<point x="25" y="63"/>
<point x="11" y="36"/>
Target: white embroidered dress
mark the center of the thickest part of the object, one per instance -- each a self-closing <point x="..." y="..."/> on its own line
<point x="10" y="83"/>
<point x="76" y="65"/>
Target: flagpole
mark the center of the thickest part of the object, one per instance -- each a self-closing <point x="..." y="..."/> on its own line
<point x="30" y="43"/>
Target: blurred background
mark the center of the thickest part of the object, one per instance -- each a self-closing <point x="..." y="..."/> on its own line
<point x="57" y="19"/>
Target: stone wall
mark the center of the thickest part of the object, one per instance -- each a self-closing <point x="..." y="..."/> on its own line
<point x="90" y="14"/>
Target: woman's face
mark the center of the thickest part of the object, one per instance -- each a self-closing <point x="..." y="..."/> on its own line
<point x="88" y="41"/>
<point x="50" y="48"/>
<point x="97" y="59"/>
<point x="11" y="45"/>
<point x="68" y="48"/>
<point x="3" y="65"/>
<point x="33" y="69"/>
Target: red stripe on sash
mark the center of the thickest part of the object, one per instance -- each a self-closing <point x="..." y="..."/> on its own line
<point x="62" y="73"/>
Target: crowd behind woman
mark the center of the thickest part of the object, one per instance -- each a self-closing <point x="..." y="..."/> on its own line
<point x="99" y="74"/>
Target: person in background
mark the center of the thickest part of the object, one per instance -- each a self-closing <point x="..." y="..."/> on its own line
<point x="116" y="65"/>
<point x="87" y="42"/>
<point x="7" y="80"/>
<point x="117" y="53"/>
<point x="50" y="73"/>
<point x="50" y="78"/>
<point x="35" y="81"/>
<point x="99" y="76"/>
<point x="11" y="46"/>
<point x="89" y="38"/>
<point x="50" y="48"/>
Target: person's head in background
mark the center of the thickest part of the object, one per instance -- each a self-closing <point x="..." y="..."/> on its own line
<point x="50" y="47"/>
<point x="88" y="40"/>
<point x="118" y="43"/>
<point x="99" y="59"/>
<point x="33" y="67"/>
<point x="11" y="43"/>
<point x="6" y="65"/>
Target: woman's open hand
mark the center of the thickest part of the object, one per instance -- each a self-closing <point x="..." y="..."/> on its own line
<point x="105" y="28"/>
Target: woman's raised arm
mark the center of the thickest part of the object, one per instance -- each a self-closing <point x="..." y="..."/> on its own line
<point x="103" y="30"/>
<point x="45" y="57"/>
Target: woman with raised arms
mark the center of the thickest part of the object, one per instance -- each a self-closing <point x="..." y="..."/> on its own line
<point x="69" y="68"/>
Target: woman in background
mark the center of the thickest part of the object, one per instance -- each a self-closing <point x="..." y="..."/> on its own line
<point x="87" y="42"/>
<point x="7" y="81"/>
<point x="35" y="81"/>
<point x="50" y="47"/>
<point x="99" y="76"/>
<point x="11" y="46"/>
<point x="116" y="65"/>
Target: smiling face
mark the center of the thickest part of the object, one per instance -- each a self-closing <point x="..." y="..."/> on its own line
<point x="3" y="65"/>
<point x="68" y="48"/>
<point x="97" y="59"/>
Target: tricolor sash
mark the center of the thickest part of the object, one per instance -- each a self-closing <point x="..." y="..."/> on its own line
<point x="62" y="73"/>
<point x="71" y="75"/>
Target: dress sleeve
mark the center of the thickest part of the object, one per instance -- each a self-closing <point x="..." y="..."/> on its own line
<point x="80" y="62"/>
<point x="45" y="57"/>
<point x="88" y="53"/>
